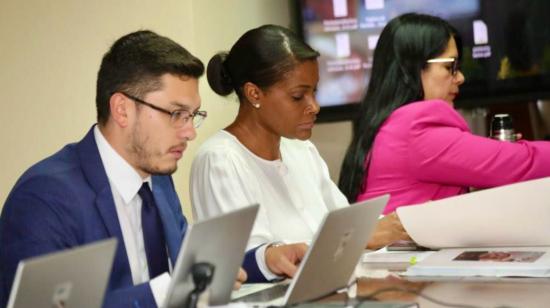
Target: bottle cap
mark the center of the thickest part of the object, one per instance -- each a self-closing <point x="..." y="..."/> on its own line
<point x="501" y="121"/>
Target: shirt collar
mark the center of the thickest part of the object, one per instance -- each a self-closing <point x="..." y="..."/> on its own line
<point x="122" y="176"/>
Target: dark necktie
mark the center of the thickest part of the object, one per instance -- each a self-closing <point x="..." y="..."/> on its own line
<point x="153" y="234"/>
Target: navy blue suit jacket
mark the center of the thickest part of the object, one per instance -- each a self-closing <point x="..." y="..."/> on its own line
<point x="66" y="201"/>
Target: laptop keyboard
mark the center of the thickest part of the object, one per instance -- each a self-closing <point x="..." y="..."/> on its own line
<point x="265" y="295"/>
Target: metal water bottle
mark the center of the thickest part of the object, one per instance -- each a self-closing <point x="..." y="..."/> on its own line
<point x="502" y="128"/>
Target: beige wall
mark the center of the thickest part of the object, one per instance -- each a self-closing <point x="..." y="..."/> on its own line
<point x="332" y="140"/>
<point x="50" y="53"/>
<point x="221" y="24"/>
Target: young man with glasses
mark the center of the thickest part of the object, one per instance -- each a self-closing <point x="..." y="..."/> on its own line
<point x="116" y="181"/>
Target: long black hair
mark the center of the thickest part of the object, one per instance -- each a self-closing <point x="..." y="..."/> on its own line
<point x="404" y="46"/>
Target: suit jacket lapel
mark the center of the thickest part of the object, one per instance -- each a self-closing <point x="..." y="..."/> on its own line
<point x="93" y="169"/>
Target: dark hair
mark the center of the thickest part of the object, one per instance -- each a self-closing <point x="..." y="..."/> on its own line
<point x="404" y="46"/>
<point x="262" y="56"/>
<point x="135" y="63"/>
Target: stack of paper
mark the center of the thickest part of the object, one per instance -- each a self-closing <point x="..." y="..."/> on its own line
<point x="515" y="216"/>
<point x="512" y="215"/>
<point x="385" y="256"/>
<point x="495" y="262"/>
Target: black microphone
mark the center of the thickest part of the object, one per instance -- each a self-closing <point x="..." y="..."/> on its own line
<point x="202" y="273"/>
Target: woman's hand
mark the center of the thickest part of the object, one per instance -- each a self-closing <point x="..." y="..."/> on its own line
<point x="388" y="230"/>
<point x="241" y="278"/>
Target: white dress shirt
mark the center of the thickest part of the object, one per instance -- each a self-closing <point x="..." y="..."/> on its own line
<point x="294" y="192"/>
<point x="125" y="183"/>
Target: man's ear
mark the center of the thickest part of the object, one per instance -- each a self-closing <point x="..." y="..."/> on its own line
<point x="119" y="104"/>
<point x="252" y="93"/>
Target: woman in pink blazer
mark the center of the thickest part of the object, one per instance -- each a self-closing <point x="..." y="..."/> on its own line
<point x="409" y="141"/>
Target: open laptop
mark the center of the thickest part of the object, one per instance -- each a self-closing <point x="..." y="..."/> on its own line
<point x="331" y="258"/>
<point x="220" y="241"/>
<point x="70" y="278"/>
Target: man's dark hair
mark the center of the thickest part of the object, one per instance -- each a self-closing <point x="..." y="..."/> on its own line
<point x="135" y="63"/>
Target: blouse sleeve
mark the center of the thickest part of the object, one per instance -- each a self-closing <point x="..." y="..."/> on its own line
<point x="221" y="183"/>
<point x="442" y="150"/>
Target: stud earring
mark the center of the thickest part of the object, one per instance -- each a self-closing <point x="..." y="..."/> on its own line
<point x="257" y="105"/>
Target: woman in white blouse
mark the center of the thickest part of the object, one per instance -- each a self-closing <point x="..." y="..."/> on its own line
<point x="264" y="156"/>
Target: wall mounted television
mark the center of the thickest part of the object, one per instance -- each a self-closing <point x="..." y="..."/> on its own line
<point x="506" y="52"/>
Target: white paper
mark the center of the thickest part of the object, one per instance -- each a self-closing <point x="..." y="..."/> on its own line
<point x="491" y="261"/>
<point x="512" y="215"/>
<point x="385" y="256"/>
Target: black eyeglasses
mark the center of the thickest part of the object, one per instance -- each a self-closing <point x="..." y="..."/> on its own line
<point x="178" y="118"/>
<point x="454" y="67"/>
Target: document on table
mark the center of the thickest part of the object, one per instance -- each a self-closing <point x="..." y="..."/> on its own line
<point x="511" y="215"/>
<point x="493" y="261"/>
<point x="384" y="256"/>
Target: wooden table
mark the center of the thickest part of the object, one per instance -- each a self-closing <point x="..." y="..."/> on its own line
<point x="476" y="291"/>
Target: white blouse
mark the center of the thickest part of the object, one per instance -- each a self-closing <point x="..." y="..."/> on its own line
<point x="294" y="192"/>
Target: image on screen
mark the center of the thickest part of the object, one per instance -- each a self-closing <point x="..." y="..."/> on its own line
<point x="506" y="45"/>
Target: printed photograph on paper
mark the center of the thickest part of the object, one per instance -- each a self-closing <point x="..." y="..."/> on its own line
<point x="500" y="256"/>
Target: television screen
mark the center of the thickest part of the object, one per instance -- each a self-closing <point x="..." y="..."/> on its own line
<point x="506" y="47"/>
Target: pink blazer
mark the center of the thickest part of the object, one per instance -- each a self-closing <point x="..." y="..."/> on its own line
<point x="425" y="151"/>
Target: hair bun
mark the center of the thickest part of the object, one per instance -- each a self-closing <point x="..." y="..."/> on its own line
<point x="217" y="75"/>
